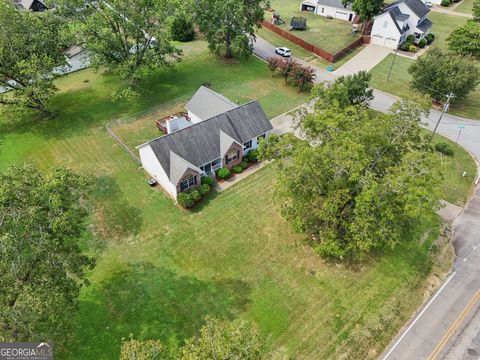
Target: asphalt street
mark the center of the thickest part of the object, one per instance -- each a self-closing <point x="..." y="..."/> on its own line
<point x="447" y="325"/>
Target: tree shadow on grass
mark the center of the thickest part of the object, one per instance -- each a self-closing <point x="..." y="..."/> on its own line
<point x="151" y="302"/>
<point x="114" y="218"/>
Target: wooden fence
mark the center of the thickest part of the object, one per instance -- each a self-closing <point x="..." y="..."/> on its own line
<point x="364" y="39"/>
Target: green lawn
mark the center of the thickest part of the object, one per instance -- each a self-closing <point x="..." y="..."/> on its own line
<point x="160" y="270"/>
<point x="301" y="53"/>
<point x="331" y="35"/>
<point x="455" y="188"/>
<point x="465" y="7"/>
<point x="399" y="83"/>
<point x="443" y="25"/>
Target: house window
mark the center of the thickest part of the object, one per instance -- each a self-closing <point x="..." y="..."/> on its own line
<point x="216" y="164"/>
<point x="260" y="138"/>
<point x="232" y="156"/>
<point x="187" y="182"/>
<point x="323" y="9"/>
<point x="385" y="24"/>
<point x="247" y="145"/>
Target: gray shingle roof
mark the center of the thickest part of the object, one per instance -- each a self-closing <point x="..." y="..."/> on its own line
<point x="425" y="25"/>
<point x="334" y="3"/>
<point x="394" y="14"/>
<point x="206" y="103"/>
<point x="200" y="143"/>
<point x="417" y="6"/>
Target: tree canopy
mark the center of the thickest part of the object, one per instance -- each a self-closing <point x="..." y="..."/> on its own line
<point x="465" y="40"/>
<point x="31" y="47"/>
<point x="225" y="340"/>
<point x="229" y="25"/>
<point x="366" y="9"/>
<point x="42" y="268"/>
<point x="476" y="10"/>
<point x="344" y="91"/>
<point x="357" y="181"/>
<point x="127" y="37"/>
<point x="438" y="74"/>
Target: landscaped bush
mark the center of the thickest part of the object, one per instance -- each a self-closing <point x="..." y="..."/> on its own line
<point x="204" y="189"/>
<point x="196" y="196"/>
<point x="444" y="148"/>
<point x="181" y="28"/>
<point x="430" y="38"/>
<point x="237" y="169"/>
<point x="404" y="46"/>
<point x="244" y="164"/>
<point x="422" y="43"/>
<point x="445" y="3"/>
<point x="412" y="48"/>
<point x="223" y="173"/>
<point x="252" y="155"/>
<point x="207" y="180"/>
<point x="410" y="39"/>
<point x="185" y="200"/>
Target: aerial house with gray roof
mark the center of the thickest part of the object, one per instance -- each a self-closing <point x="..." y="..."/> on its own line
<point x="399" y="20"/>
<point x="218" y="134"/>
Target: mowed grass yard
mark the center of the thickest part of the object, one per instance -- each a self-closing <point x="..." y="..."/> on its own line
<point x="331" y="35"/>
<point x="301" y="53"/>
<point x="399" y="82"/>
<point x="465" y="7"/>
<point x="160" y="269"/>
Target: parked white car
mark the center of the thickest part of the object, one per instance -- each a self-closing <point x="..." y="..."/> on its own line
<point x="428" y="3"/>
<point x="283" y="51"/>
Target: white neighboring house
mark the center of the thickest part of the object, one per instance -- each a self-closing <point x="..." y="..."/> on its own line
<point x="333" y="8"/>
<point x="179" y="159"/>
<point x="30" y="5"/>
<point x="399" y="20"/>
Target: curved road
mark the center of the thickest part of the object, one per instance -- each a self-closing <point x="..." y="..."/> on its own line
<point x="447" y="326"/>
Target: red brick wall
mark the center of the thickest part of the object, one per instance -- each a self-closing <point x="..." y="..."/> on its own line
<point x="235" y="162"/>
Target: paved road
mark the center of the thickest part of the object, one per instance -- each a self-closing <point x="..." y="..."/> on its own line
<point x="445" y="326"/>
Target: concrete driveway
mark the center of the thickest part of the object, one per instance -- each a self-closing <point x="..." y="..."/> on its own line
<point x="366" y="60"/>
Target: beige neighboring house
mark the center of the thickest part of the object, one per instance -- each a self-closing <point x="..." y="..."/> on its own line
<point x="216" y="133"/>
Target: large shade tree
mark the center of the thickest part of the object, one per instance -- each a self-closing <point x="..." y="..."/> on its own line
<point x="366" y="9"/>
<point x="356" y="182"/>
<point x="42" y="268"/>
<point x="465" y="40"/>
<point x="438" y="74"/>
<point x="128" y="37"/>
<point x="31" y="47"/>
<point x="229" y="25"/>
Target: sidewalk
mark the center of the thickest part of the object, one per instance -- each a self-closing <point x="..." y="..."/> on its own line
<point x="221" y="186"/>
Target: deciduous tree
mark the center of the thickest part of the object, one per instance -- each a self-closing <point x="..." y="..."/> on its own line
<point x="438" y="74"/>
<point x="465" y="40"/>
<point x="229" y="25"/>
<point x="476" y="10"/>
<point x="128" y="37"/>
<point x="42" y="268"/>
<point x="31" y="47"/>
<point x="225" y="340"/>
<point x="345" y="91"/>
<point x="357" y="181"/>
<point x="366" y="9"/>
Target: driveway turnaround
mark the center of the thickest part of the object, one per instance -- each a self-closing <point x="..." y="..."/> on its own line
<point x="445" y="326"/>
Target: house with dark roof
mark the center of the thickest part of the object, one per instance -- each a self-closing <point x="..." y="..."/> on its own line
<point x="329" y="8"/>
<point x="30" y="5"/>
<point x="219" y="134"/>
<point x="399" y="20"/>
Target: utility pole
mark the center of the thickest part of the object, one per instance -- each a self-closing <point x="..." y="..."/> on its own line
<point x="391" y="65"/>
<point x="445" y="108"/>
